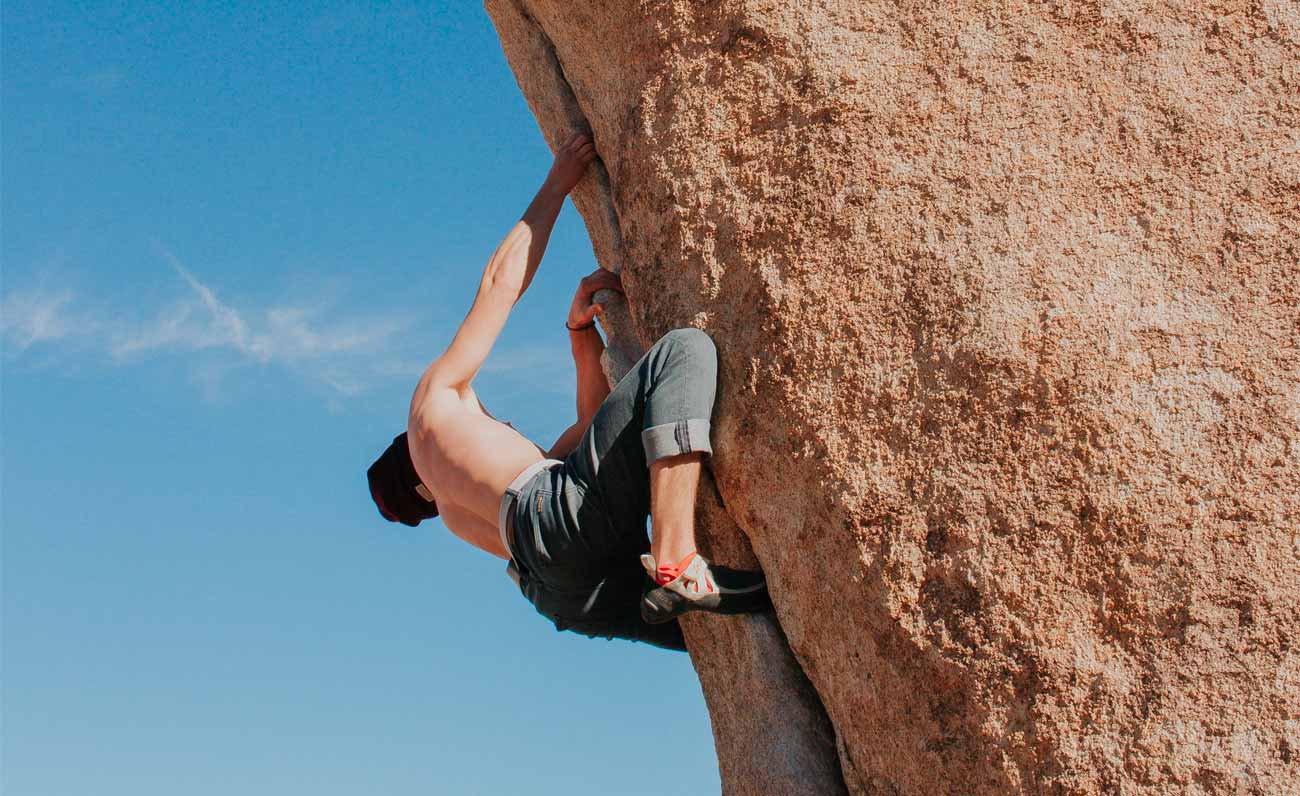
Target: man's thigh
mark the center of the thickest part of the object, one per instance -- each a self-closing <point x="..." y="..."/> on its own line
<point x="608" y="609"/>
<point x="610" y="463"/>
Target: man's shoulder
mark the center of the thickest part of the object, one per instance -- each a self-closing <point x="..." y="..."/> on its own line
<point x="434" y="401"/>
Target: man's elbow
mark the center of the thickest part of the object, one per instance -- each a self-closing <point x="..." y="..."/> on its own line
<point x="562" y="447"/>
<point x="568" y="441"/>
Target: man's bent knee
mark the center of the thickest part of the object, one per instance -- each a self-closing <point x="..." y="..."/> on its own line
<point x="692" y="341"/>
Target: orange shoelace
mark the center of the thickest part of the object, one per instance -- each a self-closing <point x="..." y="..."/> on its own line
<point x="667" y="573"/>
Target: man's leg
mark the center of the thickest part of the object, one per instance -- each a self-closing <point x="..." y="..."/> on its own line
<point x="675" y="438"/>
<point x="674" y="481"/>
<point x="641" y="454"/>
<point x="665" y="404"/>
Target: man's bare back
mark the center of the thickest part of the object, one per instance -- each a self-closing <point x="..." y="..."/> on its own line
<point x="467" y="458"/>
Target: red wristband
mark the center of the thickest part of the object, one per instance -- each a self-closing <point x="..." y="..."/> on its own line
<point x="580" y="328"/>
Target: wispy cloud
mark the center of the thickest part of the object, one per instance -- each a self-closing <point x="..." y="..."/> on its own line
<point x="35" y="317"/>
<point x="346" y="354"/>
<point x="285" y="334"/>
<point x="343" y="354"/>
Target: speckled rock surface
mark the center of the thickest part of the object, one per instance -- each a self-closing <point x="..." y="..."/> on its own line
<point x="1007" y="299"/>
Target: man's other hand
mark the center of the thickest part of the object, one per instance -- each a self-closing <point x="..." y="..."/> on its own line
<point x="584" y="309"/>
<point x="571" y="161"/>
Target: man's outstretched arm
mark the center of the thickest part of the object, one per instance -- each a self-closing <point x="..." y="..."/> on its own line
<point x="509" y="271"/>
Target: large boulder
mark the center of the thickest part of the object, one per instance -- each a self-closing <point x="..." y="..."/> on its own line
<point x="1007" y="300"/>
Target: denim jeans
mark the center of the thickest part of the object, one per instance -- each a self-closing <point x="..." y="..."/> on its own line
<point x="579" y="529"/>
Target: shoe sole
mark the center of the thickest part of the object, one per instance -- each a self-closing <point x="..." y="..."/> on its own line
<point x="655" y="613"/>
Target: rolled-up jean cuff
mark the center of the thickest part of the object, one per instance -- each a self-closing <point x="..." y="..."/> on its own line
<point x="676" y="438"/>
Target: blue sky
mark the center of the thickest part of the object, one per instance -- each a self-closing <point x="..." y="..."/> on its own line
<point x="231" y="238"/>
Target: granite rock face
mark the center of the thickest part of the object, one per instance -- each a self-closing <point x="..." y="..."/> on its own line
<point x="1007" y="300"/>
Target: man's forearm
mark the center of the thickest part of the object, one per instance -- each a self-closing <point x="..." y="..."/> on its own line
<point x="515" y="261"/>
<point x="513" y="264"/>
<point x="592" y="387"/>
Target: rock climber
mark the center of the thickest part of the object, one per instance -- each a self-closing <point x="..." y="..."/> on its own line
<point x="571" y="520"/>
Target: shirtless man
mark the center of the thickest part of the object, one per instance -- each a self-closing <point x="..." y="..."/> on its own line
<point x="571" y="519"/>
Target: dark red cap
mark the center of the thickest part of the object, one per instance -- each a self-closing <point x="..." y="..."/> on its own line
<point x="395" y="486"/>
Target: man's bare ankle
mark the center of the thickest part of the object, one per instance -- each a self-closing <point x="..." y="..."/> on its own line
<point x="668" y="556"/>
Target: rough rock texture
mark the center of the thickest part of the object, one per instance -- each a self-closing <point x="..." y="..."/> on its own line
<point x="1007" y="298"/>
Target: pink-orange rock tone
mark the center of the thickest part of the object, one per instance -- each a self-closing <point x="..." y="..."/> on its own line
<point x="1007" y="300"/>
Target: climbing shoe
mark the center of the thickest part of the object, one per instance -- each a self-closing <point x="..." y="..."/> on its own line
<point x="694" y="585"/>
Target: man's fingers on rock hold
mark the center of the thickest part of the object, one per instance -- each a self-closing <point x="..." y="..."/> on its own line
<point x="602" y="280"/>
